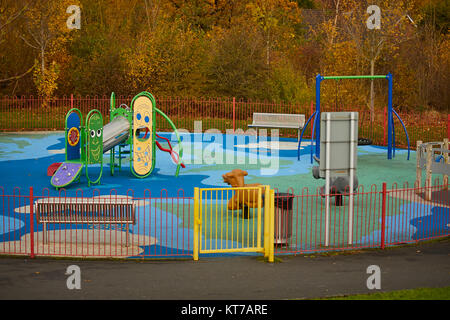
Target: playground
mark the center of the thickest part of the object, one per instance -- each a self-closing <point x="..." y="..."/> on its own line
<point x="133" y="204"/>
<point x="274" y="150"/>
<point x="26" y="156"/>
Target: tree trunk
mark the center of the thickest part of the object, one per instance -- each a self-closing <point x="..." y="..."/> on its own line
<point x="45" y="101"/>
<point x="42" y="60"/>
<point x="268" y="49"/>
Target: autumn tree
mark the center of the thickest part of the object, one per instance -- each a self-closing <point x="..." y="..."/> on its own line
<point x="236" y="64"/>
<point x="351" y="46"/>
<point x="250" y="49"/>
<point x="45" y="30"/>
<point x="166" y="61"/>
<point x="206" y="14"/>
<point x="370" y="42"/>
<point x="276" y="20"/>
<point x="429" y="56"/>
<point x="96" y="66"/>
<point x="10" y="14"/>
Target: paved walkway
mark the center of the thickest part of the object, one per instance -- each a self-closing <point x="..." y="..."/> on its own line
<point x="235" y="278"/>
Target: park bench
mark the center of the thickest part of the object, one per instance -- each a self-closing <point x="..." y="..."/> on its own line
<point x="85" y="211"/>
<point x="278" y="120"/>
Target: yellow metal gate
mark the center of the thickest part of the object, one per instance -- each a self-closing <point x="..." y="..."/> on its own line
<point x="234" y="220"/>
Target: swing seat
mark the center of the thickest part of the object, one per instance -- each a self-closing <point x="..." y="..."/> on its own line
<point x="364" y="141"/>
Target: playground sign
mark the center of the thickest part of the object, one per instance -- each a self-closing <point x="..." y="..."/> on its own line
<point x="338" y="146"/>
<point x="338" y="157"/>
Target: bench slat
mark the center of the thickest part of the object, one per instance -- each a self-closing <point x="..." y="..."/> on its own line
<point x="76" y="210"/>
<point x="262" y="125"/>
<point x="278" y="120"/>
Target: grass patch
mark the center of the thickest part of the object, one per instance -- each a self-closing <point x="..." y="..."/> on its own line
<point x="408" y="294"/>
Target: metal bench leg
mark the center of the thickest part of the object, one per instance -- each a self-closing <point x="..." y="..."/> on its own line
<point x="44" y="234"/>
<point x="128" y="233"/>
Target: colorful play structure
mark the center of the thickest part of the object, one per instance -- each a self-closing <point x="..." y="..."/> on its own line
<point x="316" y="115"/>
<point x="132" y="126"/>
<point x="433" y="157"/>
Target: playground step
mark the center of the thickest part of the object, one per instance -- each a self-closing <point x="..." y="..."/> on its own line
<point x="66" y="174"/>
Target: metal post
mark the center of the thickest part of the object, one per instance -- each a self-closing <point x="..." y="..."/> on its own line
<point x="234" y="114"/>
<point x="446" y="158"/>
<point x="327" y="179"/>
<point x="384" y="126"/>
<point x="428" y="172"/>
<point x="267" y="208"/>
<point x="419" y="155"/>
<point x="353" y="140"/>
<point x="383" y="216"/>
<point x="319" y="79"/>
<point x="258" y="228"/>
<point x="44" y="233"/>
<point x="127" y="235"/>
<point x="196" y="223"/>
<point x="390" y="118"/>
<point x="272" y="226"/>
<point x="31" y="223"/>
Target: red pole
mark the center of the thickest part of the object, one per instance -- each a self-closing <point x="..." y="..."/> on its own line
<point x="31" y="224"/>
<point x="448" y="126"/>
<point x="383" y="215"/>
<point x="71" y="100"/>
<point x="234" y="114"/>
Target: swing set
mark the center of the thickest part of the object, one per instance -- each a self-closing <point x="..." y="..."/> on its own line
<point x="316" y="116"/>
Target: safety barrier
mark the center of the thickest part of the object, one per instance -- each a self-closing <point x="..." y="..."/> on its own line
<point x="212" y="222"/>
<point x="28" y="113"/>
<point x="146" y="226"/>
<point x="380" y="218"/>
<point x="232" y="220"/>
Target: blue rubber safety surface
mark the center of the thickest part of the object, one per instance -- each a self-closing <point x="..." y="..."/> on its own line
<point x="25" y="157"/>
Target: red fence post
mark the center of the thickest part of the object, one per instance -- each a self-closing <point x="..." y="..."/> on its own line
<point x="31" y="223"/>
<point x="234" y="114"/>
<point x="383" y="216"/>
<point x="448" y="126"/>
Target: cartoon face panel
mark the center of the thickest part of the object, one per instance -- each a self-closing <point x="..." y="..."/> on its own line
<point x="143" y="135"/>
<point x="95" y="138"/>
<point x="73" y="136"/>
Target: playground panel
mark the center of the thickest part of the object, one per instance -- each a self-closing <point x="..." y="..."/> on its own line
<point x="85" y="145"/>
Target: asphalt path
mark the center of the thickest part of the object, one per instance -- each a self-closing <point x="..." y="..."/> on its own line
<point x="227" y="278"/>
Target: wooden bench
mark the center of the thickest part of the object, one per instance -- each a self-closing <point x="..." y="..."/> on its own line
<point x="85" y="211"/>
<point x="278" y="120"/>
